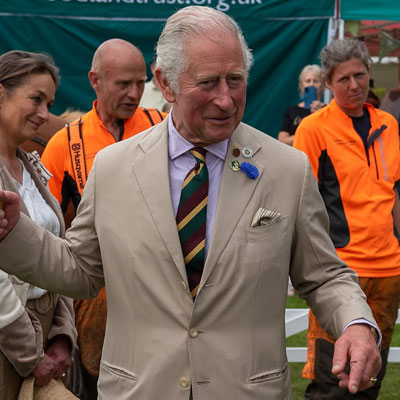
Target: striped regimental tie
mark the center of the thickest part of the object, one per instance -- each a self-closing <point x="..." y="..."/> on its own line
<point x="191" y="218"/>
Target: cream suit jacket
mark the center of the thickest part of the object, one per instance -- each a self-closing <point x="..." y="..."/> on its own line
<point x="229" y="344"/>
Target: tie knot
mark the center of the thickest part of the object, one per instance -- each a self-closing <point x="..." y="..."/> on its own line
<point x="199" y="154"/>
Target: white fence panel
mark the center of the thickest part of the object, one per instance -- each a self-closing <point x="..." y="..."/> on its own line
<point x="296" y="320"/>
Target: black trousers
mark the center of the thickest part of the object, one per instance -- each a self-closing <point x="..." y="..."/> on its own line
<point x="90" y="384"/>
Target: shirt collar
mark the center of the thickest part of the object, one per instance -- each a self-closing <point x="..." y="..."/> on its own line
<point x="178" y="145"/>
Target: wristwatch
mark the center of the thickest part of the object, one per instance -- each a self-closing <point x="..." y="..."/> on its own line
<point x="374" y="333"/>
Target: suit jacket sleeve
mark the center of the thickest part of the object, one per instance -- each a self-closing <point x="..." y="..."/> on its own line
<point x="63" y="321"/>
<point x="11" y="306"/>
<point x="73" y="265"/>
<point x="316" y="271"/>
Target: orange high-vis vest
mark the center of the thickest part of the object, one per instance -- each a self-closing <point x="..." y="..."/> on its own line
<point x="357" y="185"/>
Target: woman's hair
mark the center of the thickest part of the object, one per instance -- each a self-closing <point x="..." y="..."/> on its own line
<point x="339" y="51"/>
<point x="315" y="69"/>
<point x="188" y="23"/>
<point x="17" y="65"/>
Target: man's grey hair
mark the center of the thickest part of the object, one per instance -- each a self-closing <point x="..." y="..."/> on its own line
<point x="188" y="23"/>
<point x="341" y="50"/>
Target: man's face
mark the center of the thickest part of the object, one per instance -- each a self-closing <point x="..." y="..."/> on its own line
<point x="212" y="96"/>
<point x="119" y="86"/>
<point x="350" y="84"/>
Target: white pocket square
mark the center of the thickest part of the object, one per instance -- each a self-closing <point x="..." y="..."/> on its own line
<point x="264" y="217"/>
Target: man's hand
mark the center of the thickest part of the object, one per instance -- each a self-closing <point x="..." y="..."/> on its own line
<point x="315" y="106"/>
<point x="9" y="212"/>
<point x="43" y="372"/>
<point x="56" y="361"/>
<point x="59" y="350"/>
<point x="359" y="346"/>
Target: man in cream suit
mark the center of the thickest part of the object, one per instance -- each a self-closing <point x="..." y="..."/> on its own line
<point x="265" y="221"/>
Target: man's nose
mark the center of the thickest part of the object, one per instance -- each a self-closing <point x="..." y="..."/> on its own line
<point x="223" y="96"/>
<point x="134" y="91"/>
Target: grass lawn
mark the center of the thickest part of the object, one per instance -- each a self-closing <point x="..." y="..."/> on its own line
<point x="391" y="385"/>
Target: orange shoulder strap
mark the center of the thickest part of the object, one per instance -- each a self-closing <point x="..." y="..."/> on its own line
<point x="77" y="153"/>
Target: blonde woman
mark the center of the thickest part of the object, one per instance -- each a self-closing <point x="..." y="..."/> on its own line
<point x="309" y="76"/>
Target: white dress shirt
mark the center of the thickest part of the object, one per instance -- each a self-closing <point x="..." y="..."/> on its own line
<point x="40" y="212"/>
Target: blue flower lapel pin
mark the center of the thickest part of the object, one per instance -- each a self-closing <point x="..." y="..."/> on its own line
<point x="249" y="169"/>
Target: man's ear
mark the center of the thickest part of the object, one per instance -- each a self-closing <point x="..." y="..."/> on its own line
<point x="94" y="79"/>
<point x="164" y="85"/>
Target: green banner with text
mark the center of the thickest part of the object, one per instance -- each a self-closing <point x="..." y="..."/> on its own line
<point x="284" y="36"/>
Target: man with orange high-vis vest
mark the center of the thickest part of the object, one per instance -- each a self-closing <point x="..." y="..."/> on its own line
<point x="118" y="75"/>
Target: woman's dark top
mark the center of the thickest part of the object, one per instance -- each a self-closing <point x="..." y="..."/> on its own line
<point x="292" y="118"/>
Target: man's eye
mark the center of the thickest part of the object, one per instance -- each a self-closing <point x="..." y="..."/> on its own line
<point x="36" y="99"/>
<point x="235" y="80"/>
<point x="207" y="83"/>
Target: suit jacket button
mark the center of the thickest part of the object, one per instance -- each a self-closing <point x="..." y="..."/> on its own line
<point x="184" y="285"/>
<point x="193" y="332"/>
<point x="184" y="382"/>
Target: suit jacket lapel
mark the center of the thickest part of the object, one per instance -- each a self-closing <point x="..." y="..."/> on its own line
<point x="157" y="192"/>
<point x="235" y="192"/>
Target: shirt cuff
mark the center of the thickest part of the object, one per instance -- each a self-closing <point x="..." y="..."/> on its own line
<point x="364" y="321"/>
